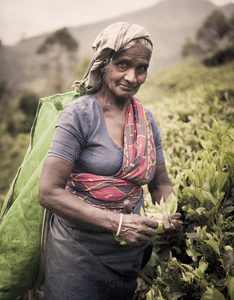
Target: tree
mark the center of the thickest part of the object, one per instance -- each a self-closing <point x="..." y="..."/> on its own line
<point x="214" y="40"/>
<point x="215" y="27"/>
<point x="231" y="32"/>
<point x="81" y="67"/>
<point x="22" y="113"/>
<point x="191" y="48"/>
<point x="60" y="37"/>
<point x="59" y="49"/>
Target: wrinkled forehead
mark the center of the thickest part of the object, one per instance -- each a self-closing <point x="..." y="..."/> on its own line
<point x="136" y="51"/>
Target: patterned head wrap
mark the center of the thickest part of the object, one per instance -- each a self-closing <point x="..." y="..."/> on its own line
<point x="112" y="38"/>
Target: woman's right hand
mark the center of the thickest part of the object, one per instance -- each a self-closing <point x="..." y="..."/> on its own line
<point x="136" y="229"/>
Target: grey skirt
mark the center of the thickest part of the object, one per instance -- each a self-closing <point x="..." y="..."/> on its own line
<point x="87" y="263"/>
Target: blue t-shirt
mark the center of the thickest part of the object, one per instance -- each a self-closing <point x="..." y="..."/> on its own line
<point x="81" y="138"/>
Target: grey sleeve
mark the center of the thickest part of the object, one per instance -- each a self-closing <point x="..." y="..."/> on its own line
<point x="69" y="136"/>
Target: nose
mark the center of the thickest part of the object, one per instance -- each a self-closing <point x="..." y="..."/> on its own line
<point x="130" y="76"/>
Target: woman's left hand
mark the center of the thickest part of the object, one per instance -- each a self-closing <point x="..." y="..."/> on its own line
<point x="172" y="225"/>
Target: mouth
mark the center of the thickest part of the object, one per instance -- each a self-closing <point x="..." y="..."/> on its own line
<point x="126" y="88"/>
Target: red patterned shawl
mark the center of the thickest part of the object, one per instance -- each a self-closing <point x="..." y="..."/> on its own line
<point x="138" y="168"/>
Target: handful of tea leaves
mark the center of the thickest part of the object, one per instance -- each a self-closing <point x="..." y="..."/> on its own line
<point x="156" y="211"/>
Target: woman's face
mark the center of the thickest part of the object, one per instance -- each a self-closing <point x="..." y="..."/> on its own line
<point x="127" y="71"/>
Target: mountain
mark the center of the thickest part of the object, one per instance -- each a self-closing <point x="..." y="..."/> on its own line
<point x="169" y="22"/>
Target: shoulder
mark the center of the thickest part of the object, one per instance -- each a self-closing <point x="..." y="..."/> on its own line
<point x="152" y="120"/>
<point x="81" y="115"/>
<point x="85" y="108"/>
<point x="82" y="104"/>
<point x="149" y="114"/>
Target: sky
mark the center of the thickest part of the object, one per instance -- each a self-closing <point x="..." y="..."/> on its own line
<point x="28" y="18"/>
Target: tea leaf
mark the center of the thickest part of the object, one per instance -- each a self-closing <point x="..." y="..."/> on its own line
<point x="171" y="204"/>
<point x="212" y="294"/>
<point x="196" y="193"/>
<point x="142" y="212"/>
<point x="230" y="286"/>
<point x="214" y="245"/>
<point x="203" y="265"/>
<point x="221" y="179"/>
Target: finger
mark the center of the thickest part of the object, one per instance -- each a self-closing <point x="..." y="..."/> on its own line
<point x="143" y="237"/>
<point x="176" y="216"/>
<point x="177" y="225"/>
<point x="149" y="232"/>
<point x="150" y="223"/>
<point x="166" y="222"/>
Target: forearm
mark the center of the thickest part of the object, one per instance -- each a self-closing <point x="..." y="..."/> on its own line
<point x="160" y="186"/>
<point x="161" y="191"/>
<point x="76" y="210"/>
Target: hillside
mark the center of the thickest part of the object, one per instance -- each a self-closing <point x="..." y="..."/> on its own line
<point x="169" y="23"/>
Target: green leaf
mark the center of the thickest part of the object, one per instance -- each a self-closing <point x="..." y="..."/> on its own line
<point x="230" y="286"/>
<point x="188" y="276"/>
<point x="203" y="265"/>
<point x="188" y="267"/>
<point x="151" y="263"/>
<point x="192" y="253"/>
<point x="162" y="204"/>
<point x="121" y="242"/>
<point x="191" y="175"/>
<point x="221" y="179"/>
<point x="212" y="294"/>
<point x="142" y="212"/>
<point x="199" y="273"/>
<point x="188" y="209"/>
<point x="160" y="228"/>
<point x="171" y="204"/>
<point x="208" y="196"/>
<point x="214" y="245"/>
<point x="200" y="210"/>
<point x="196" y="193"/>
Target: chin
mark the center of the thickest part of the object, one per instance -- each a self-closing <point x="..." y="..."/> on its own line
<point x="126" y="95"/>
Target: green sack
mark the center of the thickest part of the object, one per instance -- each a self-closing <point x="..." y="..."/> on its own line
<point x="22" y="216"/>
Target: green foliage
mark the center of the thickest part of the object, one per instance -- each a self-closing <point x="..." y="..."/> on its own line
<point x="215" y="27"/>
<point x="191" y="48"/>
<point x="194" y="109"/>
<point x="59" y="51"/>
<point x="156" y="211"/>
<point x="81" y="67"/>
<point x="213" y="44"/>
<point x="28" y="103"/>
<point x="219" y="57"/>
<point x="22" y="113"/>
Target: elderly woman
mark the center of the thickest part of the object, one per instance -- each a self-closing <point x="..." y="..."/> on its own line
<point x="106" y="146"/>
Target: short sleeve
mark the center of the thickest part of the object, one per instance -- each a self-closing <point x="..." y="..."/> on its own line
<point x="157" y="138"/>
<point x="70" y="133"/>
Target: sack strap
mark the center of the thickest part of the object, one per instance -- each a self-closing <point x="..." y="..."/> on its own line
<point x="44" y="234"/>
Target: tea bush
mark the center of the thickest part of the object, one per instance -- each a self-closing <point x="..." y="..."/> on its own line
<point x="195" y="113"/>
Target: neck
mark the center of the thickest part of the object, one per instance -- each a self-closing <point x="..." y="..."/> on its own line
<point x="110" y="101"/>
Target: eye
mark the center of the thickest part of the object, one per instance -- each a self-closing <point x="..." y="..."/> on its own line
<point x="142" y="68"/>
<point x="123" y="65"/>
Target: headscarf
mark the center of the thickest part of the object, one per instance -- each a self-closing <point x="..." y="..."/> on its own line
<point x="112" y="38"/>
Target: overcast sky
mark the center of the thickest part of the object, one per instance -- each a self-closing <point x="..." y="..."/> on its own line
<point x="27" y="18"/>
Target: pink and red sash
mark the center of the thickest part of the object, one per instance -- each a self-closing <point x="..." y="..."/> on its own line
<point x="138" y="168"/>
